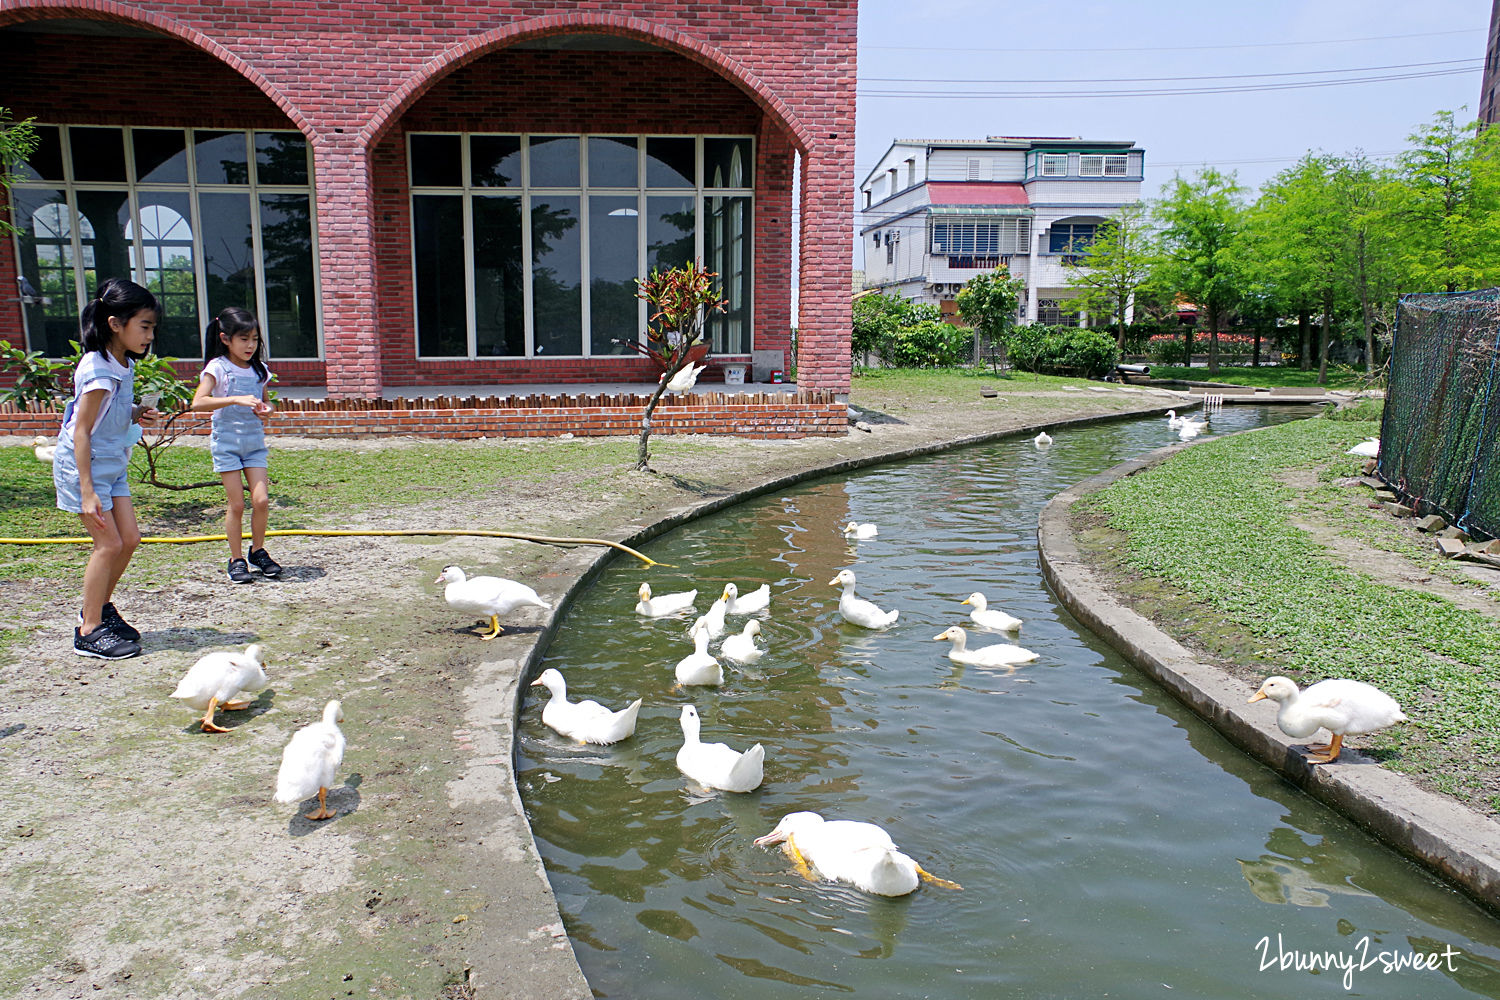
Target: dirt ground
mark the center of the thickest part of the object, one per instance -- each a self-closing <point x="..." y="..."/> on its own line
<point x="142" y="858"/>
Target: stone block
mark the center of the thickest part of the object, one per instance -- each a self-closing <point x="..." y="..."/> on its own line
<point x="1450" y="547"/>
<point x="1370" y="466"/>
<point x="1388" y="496"/>
<point x="1398" y="510"/>
<point x="1432" y="522"/>
<point x="1454" y="531"/>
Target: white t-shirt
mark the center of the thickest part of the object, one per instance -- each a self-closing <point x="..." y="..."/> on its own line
<point x="99" y="370"/>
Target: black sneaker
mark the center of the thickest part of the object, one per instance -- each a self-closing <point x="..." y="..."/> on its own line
<point x="261" y="560"/>
<point x="110" y="619"/>
<point x="239" y="571"/>
<point x="104" y="644"/>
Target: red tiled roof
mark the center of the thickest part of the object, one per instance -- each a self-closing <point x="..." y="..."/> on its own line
<point x="975" y="193"/>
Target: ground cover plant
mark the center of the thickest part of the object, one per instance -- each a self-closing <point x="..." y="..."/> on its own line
<point x="1270" y="376"/>
<point x="1222" y="543"/>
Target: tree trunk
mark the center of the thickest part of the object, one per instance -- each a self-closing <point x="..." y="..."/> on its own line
<point x="1304" y="339"/>
<point x="1213" y="341"/>
<point x="643" y="455"/>
<point x="1255" y="354"/>
<point x="1366" y="314"/>
<point x="1187" y="343"/>
<point x="1323" y="337"/>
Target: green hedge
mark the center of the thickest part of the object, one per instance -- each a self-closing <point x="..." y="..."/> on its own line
<point x="1063" y="350"/>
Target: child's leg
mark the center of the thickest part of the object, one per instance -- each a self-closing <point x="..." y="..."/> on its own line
<point x="99" y="574"/>
<point x="260" y="506"/>
<point x="234" y="520"/>
<point x="130" y="539"/>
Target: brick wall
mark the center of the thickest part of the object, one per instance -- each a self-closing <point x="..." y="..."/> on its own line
<point x="772" y="415"/>
<point x="354" y="76"/>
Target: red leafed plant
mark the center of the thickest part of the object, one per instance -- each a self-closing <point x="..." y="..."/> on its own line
<point x="680" y="299"/>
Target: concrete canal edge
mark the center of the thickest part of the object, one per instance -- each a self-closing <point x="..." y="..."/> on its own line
<point x="521" y="948"/>
<point x="1459" y="844"/>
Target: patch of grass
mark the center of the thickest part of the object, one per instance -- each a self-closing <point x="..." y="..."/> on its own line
<point x="1364" y="409"/>
<point x="1214" y="525"/>
<point x="1262" y="375"/>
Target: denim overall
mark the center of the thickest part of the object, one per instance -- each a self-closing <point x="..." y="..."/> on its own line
<point x="238" y="438"/>
<point x="109" y="452"/>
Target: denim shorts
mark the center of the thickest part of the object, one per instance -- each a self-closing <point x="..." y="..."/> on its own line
<point x="69" y="497"/>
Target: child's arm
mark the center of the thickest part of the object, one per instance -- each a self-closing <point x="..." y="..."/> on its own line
<point x="84" y="416"/>
<point x="205" y="401"/>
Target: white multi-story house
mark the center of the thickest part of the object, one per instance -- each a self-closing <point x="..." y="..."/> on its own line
<point x="933" y="214"/>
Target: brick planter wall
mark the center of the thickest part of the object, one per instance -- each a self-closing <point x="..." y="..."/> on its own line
<point x="754" y="415"/>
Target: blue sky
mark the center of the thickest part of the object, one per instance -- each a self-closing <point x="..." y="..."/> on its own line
<point x="1049" y="42"/>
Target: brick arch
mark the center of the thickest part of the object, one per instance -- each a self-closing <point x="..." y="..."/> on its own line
<point x="665" y="37"/>
<point x="111" y="10"/>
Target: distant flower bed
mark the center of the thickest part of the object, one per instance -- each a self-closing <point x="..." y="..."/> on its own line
<point x="1171" y="349"/>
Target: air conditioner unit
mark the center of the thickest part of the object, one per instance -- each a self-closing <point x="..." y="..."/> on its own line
<point x="893" y="236"/>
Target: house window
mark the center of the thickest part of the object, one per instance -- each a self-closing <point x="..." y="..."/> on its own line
<point x="890" y="251"/>
<point x="980" y="244"/>
<point x="867" y="197"/>
<point x="1071" y="237"/>
<point x="1051" y="313"/>
<point x="1101" y="165"/>
<point x="530" y="245"/>
<point x="203" y="218"/>
<point x="1054" y="164"/>
<point x="911" y="173"/>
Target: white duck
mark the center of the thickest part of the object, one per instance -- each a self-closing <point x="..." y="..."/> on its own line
<point x="847" y="851"/>
<point x="1042" y="440"/>
<point x="666" y="604"/>
<point x="1001" y="654"/>
<point x="43" y="450"/>
<point x="715" y="764"/>
<point x="584" y="721"/>
<point x="713" y="621"/>
<point x="858" y="611"/>
<point x="1190" y="429"/>
<point x="1369" y="448"/>
<point x="1173" y="420"/>
<point x="855" y="530"/>
<point x="310" y="761"/>
<point x="213" y="682"/>
<point x="685" y="378"/>
<point x="987" y="617"/>
<point x="491" y="596"/>
<point x="1339" y="706"/>
<point x="757" y="600"/>
<point x="698" y="667"/>
<point x="741" y="647"/>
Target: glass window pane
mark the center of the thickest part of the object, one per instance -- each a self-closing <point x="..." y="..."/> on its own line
<point x="442" y="306"/>
<point x="102" y="219"/>
<point x="495" y="160"/>
<point x="291" y="319"/>
<point x="614" y="311"/>
<point x="726" y="251"/>
<point x="46" y="241"/>
<point x="669" y="162"/>
<point x="554" y="161"/>
<point x="437" y="161"/>
<point x="98" y="153"/>
<point x="46" y="161"/>
<point x="556" y="276"/>
<point x="166" y="261"/>
<point x="499" y="306"/>
<point x="221" y="157"/>
<point x="612" y="161"/>
<point x="727" y="163"/>
<point x="160" y="155"/>
<point x="670" y="222"/>
<point x="280" y="158"/>
<point x="228" y="255"/>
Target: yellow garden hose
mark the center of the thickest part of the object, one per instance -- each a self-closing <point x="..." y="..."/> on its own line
<point x="481" y="533"/>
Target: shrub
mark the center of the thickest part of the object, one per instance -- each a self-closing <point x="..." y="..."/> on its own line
<point x="928" y="343"/>
<point x="1063" y="351"/>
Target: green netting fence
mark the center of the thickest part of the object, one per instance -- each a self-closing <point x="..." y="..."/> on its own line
<point x="1440" y="436"/>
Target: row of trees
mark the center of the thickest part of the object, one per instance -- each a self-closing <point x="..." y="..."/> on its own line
<point x="1334" y="239"/>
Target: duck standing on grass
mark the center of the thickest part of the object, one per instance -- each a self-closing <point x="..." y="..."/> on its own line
<point x="491" y="596"/>
<point x="42" y="450"/>
<point x="1343" y="707"/>
<point x="846" y="851"/>
<point x="310" y="761"/>
<point x="212" y="682"/>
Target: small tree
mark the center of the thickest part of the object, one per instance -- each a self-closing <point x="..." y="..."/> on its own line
<point x="680" y="299"/>
<point x="988" y="303"/>
<point x="1110" y="269"/>
<point x="17" y="140"/>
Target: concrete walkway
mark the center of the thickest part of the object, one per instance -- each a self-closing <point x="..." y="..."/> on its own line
<point x="1458" y="843"/>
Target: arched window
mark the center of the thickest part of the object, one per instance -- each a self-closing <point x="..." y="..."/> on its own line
<point x="165" y="259"/>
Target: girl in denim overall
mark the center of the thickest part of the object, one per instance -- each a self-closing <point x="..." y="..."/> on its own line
<point x="93" y="455"/>
<point x="232" y="387"/>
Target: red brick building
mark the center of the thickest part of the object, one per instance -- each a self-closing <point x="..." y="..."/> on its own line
<point x="425" y="193"/>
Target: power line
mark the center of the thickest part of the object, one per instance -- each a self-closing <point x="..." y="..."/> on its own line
<point x="1011" y="50"/>
<point x="1168" y="79"/>
<point x="1159" y="92"/>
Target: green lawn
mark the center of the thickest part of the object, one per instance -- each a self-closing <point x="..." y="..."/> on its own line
<point x="1212" y="542"/>
<point x="1271" y="376"/>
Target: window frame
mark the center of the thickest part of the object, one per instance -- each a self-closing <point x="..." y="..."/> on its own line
<point x="699" y="191"/>
<point x="1046" y="160"/>
<point x="135" y="188"/>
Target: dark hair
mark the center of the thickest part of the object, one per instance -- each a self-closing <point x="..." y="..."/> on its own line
<point x="232" y="321"/>
<point x="115" y="297"/>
